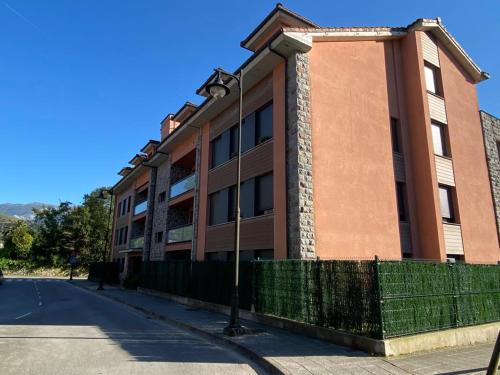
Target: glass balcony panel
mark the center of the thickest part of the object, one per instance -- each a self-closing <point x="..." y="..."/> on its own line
<point x="137" y="243"/>
<point x="180" y="234"/>
<point x="182" y="186"/>
<point x="140" y="208"/>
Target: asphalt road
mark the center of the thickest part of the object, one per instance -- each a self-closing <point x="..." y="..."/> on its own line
<point x="48" y="326"/>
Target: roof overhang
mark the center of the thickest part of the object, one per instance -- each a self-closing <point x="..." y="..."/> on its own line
<point x="128" y="179"/>
<point x="257" y="67"/>
<point x="184" y="112"/>
<point x="125" y="171"/>
<point x="150" y="143"/>
<point x="137" y="159"/>
<point x="279" y="16"/>
<point x="439" y="31"/>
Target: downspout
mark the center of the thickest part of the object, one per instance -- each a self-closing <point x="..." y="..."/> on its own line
<point x="285" y="59"/>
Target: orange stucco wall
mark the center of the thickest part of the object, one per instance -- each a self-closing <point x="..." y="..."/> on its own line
<point x="184" y="148"/>
<point x="475" y="204"/>
<point x="354" y="189"/>
<point x="428" y="228"/>
<point x="279" y="163"/>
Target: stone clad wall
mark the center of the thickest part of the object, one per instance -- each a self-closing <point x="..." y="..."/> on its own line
<point x="148" y="235"/>
<point x="300" y="208"/>
<point x="160" y="211"/>
<point x="491" y="133"/>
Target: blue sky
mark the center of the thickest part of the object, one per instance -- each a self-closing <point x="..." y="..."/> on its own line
<point x="84" y="84"/>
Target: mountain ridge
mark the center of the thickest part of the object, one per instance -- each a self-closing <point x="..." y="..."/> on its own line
<point x="21" y="210"/>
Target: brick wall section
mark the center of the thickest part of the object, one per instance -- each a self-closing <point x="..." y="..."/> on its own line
<point x="160" y="211"/>
<point x="491" y="133"/>
<point x="300" y="208"/>
<point x="196" y="202"/>
<point x="148" y="233"/>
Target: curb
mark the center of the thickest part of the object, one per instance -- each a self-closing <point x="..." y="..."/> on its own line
<point x="218" y="339"/>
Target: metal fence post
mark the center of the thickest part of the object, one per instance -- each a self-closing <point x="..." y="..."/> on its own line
<point x="380" y="299"/>
<point x="495" y="358"/>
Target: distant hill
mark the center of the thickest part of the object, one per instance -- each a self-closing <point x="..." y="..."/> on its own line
<point x="21" y="211"/>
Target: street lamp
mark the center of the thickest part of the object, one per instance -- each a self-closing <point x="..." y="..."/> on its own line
<point x="104" y="195"/>
<point x="217" y="90"/>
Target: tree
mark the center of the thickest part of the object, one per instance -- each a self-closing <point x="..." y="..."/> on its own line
<point x="18" y="240"/>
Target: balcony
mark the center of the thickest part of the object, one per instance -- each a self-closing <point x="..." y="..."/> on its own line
<point x="182" y="186"/>
<point x="180" y="234"/>
<point x="140" y="208"/>
<point x="137" y="243"/>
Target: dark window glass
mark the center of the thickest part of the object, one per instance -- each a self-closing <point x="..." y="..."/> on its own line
<point x="247" y="200"/>
<point x="264" y="194"/>
<point x="220" y="149"/>
<point x="401" y="200"/>
<point x="162" y="196"/>
<point x="446" y="199"/>
<point x="219" y="207"/>
<point x="116" y="237"/>
<point x="264" y="126"/>
<point x="128" y="204"/>
<point x="159" y="237"/>
<point x="233" y="143"/>
<point x="396" y="135"/>
<point x="120" y="236"/>
<point x="119" y="209"/>
<point x="232" y="203"/>
<point x="125" y="237"/>
<point x="248" y="133"/>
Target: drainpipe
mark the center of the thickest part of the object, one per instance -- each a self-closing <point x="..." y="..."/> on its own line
<point x="285" y="59"/>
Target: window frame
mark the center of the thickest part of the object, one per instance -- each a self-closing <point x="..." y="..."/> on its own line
<point x="436" y="79"/>
<point x="443" y="134"/>
<point x="451" y="204"/>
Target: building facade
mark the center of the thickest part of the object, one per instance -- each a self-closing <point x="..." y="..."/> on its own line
<point x="491" y="134"/>
<point x="356" y="142"/>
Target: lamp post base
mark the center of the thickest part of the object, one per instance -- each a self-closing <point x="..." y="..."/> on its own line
<point x="235" y="330"/>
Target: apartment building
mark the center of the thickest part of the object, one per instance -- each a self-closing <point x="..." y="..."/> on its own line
<point x="356" y="142"/>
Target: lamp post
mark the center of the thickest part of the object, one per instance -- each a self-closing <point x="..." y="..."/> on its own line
<point x="217" y="90"/>
<point x="104" y="195"/>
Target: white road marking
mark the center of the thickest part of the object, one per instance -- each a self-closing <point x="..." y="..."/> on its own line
<point x="22" y="316"/>
<point x="40" y="302"/>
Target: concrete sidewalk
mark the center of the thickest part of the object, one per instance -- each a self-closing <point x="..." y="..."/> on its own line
<point x="284" y="352"/>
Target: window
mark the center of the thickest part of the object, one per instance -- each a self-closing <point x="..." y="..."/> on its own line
<point x="401" y="200"/>
<point x="119" y="209"/>
<point x="446" y="199"/>
<point x="231" y="210"/>
<point x="396" y="135"/>
<point x="220" y="149"/>
<point x="264" y="125"/>
<point x="120" y="236"/>
<point x="263" y="194"/>
<point x="432" y="79"/>
<point x="233" y="141"/>
<point x="162" y="196"/>
<point x="256" y="128"/>
<point x="159" y="237"/>
<point x="116" y="237"/>
<point x="128" y="204"/>
<point x="219" y="207"/>
<point x="125" y="240"/>
<point x="438" y="139"/>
